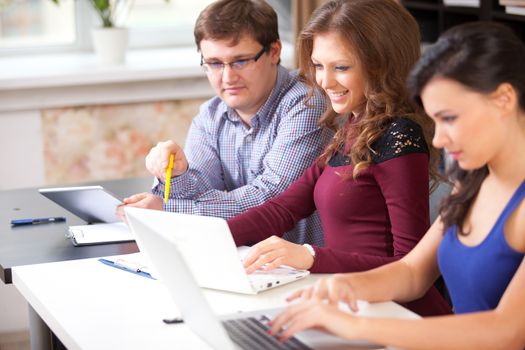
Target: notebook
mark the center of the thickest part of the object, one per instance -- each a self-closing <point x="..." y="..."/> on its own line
<point x="207" y="245"/>
<point x="238" y="331"/>
<point x="99" y="234"/>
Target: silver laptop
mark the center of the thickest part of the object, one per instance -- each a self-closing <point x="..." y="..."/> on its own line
<point x="207" y="245"/>
<point x="238" y="331"/>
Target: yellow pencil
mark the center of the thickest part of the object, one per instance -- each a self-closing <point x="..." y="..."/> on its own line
<point x="168" y="180"/>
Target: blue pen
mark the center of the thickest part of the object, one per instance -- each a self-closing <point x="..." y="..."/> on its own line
<point x="122" y="265"/>
<point x="37" y="221"/>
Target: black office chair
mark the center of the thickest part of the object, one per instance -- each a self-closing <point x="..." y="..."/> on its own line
<point x="436" y="197"/>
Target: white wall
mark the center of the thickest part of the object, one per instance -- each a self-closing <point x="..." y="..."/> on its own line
<point x="21" y="150"/>
<point x="13" y="310"/>
<point x="29" y="85"/>
<point x="22" y="163"/>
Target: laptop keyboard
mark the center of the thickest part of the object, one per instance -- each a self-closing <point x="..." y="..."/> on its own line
<point x="251" y="333"/>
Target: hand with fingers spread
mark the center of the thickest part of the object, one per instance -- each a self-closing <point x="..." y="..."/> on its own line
<point x="313" y="313"/>
<point x="141" y="200"/>
<point x="334" y="289"/>
<point x="274" y="251"/>
<point x="158" y="160"/>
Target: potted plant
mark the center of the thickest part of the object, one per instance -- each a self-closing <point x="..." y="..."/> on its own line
<point x="110" y="40"/>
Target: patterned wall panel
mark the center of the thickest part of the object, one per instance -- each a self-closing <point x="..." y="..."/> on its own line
<point x="109" y="142"/>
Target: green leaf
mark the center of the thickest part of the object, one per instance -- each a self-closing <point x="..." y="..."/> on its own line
<point x="101" y="5"/>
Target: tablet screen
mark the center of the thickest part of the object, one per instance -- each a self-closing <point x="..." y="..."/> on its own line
<point x="90" y="203"/>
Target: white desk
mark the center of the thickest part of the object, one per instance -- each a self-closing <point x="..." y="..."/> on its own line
<point x="89" y="305"/>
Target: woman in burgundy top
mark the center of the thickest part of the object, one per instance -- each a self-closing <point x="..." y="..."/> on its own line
<point x="370" y="186"/>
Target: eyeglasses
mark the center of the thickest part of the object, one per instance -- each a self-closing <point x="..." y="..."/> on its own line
<point x="218" y="67"/>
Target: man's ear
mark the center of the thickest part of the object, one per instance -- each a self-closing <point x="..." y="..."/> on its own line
<point x="505" y="97"/>
<point x="275" y="51"/>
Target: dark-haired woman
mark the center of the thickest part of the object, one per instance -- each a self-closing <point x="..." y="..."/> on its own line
<point x="370" y="187"/>
<point x="472" y="83"/>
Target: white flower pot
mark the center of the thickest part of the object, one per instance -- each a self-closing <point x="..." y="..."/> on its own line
<point x="110" y="45"/>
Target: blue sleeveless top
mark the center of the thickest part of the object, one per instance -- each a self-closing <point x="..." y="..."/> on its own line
<point x="476" y="277"/>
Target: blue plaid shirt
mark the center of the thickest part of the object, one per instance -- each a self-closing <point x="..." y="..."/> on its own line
<point x="233" y="167"/>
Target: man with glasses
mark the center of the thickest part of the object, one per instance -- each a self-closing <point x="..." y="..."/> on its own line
<point x="252" y="140"/>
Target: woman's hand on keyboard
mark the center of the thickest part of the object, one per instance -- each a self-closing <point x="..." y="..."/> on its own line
<point x="313" y="313"/>
<point x="274" y="252"/>
<point x="335" y="289"/>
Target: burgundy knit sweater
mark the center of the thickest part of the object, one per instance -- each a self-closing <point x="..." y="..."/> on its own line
<point x="367" y="222"/>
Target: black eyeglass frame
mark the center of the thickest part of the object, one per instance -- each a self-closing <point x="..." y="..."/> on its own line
<point x="235" y="65"/>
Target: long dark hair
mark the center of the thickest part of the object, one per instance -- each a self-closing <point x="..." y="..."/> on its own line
<point x="385" y="38"/>
<point x="480" y="56"/>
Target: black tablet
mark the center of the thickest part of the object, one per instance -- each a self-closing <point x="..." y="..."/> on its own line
<point x="90" y="203"/>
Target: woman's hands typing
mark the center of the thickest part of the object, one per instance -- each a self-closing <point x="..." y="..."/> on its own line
<point x="317" y="308"/>
<point x="274" y="251"/>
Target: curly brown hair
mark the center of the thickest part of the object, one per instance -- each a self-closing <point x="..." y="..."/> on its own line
<point x="385" y="39"/>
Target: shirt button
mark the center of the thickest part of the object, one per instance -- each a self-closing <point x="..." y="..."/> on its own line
<point x="249" y="138"/>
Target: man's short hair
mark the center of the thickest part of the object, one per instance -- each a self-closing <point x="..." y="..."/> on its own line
<point x="231" y="19"/>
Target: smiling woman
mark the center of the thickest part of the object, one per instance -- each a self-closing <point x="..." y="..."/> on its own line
<point x="370" y="185"/>
<point x="339" y="73"/>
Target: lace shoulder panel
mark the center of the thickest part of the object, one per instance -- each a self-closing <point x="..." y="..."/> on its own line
<point x="403" y="136"/>
<point x="338" y="159"/>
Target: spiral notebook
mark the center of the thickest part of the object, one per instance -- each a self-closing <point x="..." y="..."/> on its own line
<point x="100" y="234"/>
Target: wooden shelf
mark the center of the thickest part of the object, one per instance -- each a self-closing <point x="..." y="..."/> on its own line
<point x="434" y="17"/>
<point x="473" y="11"/>
<point x="421" y="5"/>
<point x="497" y="15"/>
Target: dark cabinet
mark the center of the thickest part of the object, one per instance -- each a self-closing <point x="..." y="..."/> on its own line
<point x="434" y="17"/>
